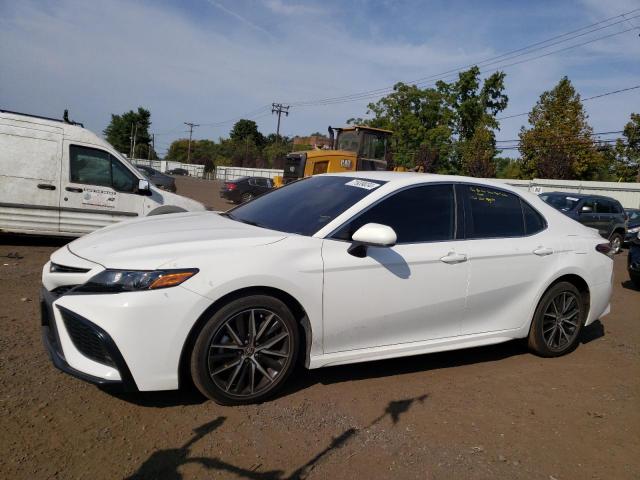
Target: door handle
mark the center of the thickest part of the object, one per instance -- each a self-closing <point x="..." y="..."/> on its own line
<point x="46" y="186"/>
<point x="453" y="257"/>
<point x="543" y="251"/>
<point x="74" y="189"/>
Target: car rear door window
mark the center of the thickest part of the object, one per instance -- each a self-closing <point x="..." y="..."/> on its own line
<point x="533" y="221"/>
<point x="492" y="213"/>
<point x="419" y="214"/>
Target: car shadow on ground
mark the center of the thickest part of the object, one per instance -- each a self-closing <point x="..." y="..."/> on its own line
<point x="629" y="285"/>
<point x="165" y="463"/>
<point x="33" y="240"/>
<point x="302" y="379"/>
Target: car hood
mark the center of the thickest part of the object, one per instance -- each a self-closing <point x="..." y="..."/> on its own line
<point x="152" y="241"/>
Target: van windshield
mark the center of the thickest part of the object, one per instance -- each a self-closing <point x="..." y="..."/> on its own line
<point x="305" y="206"/>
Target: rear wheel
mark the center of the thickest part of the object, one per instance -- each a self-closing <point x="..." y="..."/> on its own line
<point x="558" y="321"/>
<point x="246" y="197"/>
<point x="616" y="242"/>
<point x="246" y="351"/>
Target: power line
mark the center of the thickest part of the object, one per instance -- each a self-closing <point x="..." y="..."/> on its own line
<point x="594" y="133"/>
<point x="493" y="60"/>
<point x="606" y="94"/>
<point x="364" y="96"/>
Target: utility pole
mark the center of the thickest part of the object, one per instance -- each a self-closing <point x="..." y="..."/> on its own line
<point x="149" y="147"/>
<point x="135" y="134"/>
<point x="190" y="125"/>
<point x="131" y="142"/>
<point x="279" y="109"/>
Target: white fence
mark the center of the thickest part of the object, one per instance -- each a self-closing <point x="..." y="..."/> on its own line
<point x="232" y="173"/>
<point x="164" y="165"/>
<point x="628" y="194"/>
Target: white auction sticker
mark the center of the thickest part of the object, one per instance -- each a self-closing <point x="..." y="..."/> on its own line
<point x="362" y="184"/>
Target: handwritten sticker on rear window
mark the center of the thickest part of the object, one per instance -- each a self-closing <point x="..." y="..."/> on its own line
<point x="485" y="195"/>
<point x="362" y="184"/>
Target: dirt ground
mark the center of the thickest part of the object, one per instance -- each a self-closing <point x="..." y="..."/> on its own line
<point x="493" y="412"/>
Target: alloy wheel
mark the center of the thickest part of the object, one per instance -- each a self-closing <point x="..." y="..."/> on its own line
<point x="560" y="323"/>
<point x="249" y="351"/>
<point x="616" y="244"/>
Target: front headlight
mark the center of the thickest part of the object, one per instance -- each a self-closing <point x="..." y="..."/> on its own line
<point x="115" y="281"/>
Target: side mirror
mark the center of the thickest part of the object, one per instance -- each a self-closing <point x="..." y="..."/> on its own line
<point x="586" y="209"/>
<point x="371" y="235"/>
<point x="144" y="188"/>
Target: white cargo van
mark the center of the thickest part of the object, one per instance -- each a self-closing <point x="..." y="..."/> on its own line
<point x="58" y="178"/>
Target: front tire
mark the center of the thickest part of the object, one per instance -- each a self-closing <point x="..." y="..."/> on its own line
<point x="245" y="351"/>
<point x="558" y="321"/>
<point x="616" y="242"/>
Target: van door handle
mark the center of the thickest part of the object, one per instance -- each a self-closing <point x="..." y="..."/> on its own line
<point x="46" y="186"/>
<point x="74" y="189"/>
<point x="543" y="251"/>
<point x="453" y="257"/>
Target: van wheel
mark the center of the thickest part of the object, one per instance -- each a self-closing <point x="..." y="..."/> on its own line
<point x="616" y="242"/>
<point x="246" y="351"/>
<point x="558" y="321"/>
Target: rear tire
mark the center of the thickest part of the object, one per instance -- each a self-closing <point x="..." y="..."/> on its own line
<point x="558" y="321"/>
<point x="635" y="279"/>
<point x="247" y="197"/>
<point x="246" y="351"/>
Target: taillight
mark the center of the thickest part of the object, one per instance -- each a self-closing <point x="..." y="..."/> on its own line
<point x="606" y="249"/>
<point x="230" y="186"/>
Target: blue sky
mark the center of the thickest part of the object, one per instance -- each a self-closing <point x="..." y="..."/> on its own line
<point x="209" y="61"/>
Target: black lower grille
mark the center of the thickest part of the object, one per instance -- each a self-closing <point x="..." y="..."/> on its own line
<point x="59" y="291"/>
<point x="87" y="340"/>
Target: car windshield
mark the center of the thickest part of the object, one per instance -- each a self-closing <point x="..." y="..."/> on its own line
<point x="633" y="215"/>
<point x="564" y="203"/>
<point x="305" y="206"/>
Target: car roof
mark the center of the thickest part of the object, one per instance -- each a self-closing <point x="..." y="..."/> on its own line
<point x="579" y="195"/>
<point x="409" y="178"/>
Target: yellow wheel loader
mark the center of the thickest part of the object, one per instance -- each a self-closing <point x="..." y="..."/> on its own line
<point x="352" y="148"/>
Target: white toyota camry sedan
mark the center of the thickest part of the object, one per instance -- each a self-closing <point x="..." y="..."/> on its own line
<point x="329" y="270"/>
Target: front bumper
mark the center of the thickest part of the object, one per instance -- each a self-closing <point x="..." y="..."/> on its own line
<point x="52" y="343"/>
<point x="133" y="339"/>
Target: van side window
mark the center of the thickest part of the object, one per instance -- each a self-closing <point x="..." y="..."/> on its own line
<point x="123" y="179"/>
<point x="92" y="166"/>
<point x="492" y="213"/>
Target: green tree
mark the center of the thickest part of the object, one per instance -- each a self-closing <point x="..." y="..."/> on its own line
<point x="559" y="143"/>
<point x="477" y="153"/>
<point x="626" y="161"/>
<point x="247" y="128"/>
<point x="121" y="128"/>
<point x="430" y="124"/>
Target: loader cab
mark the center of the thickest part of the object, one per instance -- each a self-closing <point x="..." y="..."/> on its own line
<point x="354" y="148"/>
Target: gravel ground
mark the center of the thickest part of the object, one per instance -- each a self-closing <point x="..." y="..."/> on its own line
<point x="493" y="412"/>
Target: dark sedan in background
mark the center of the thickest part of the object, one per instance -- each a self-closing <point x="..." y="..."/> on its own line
<point x="159" y="179"/>
<point x="178" y="171"/>
<point x="244" y="189"/>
